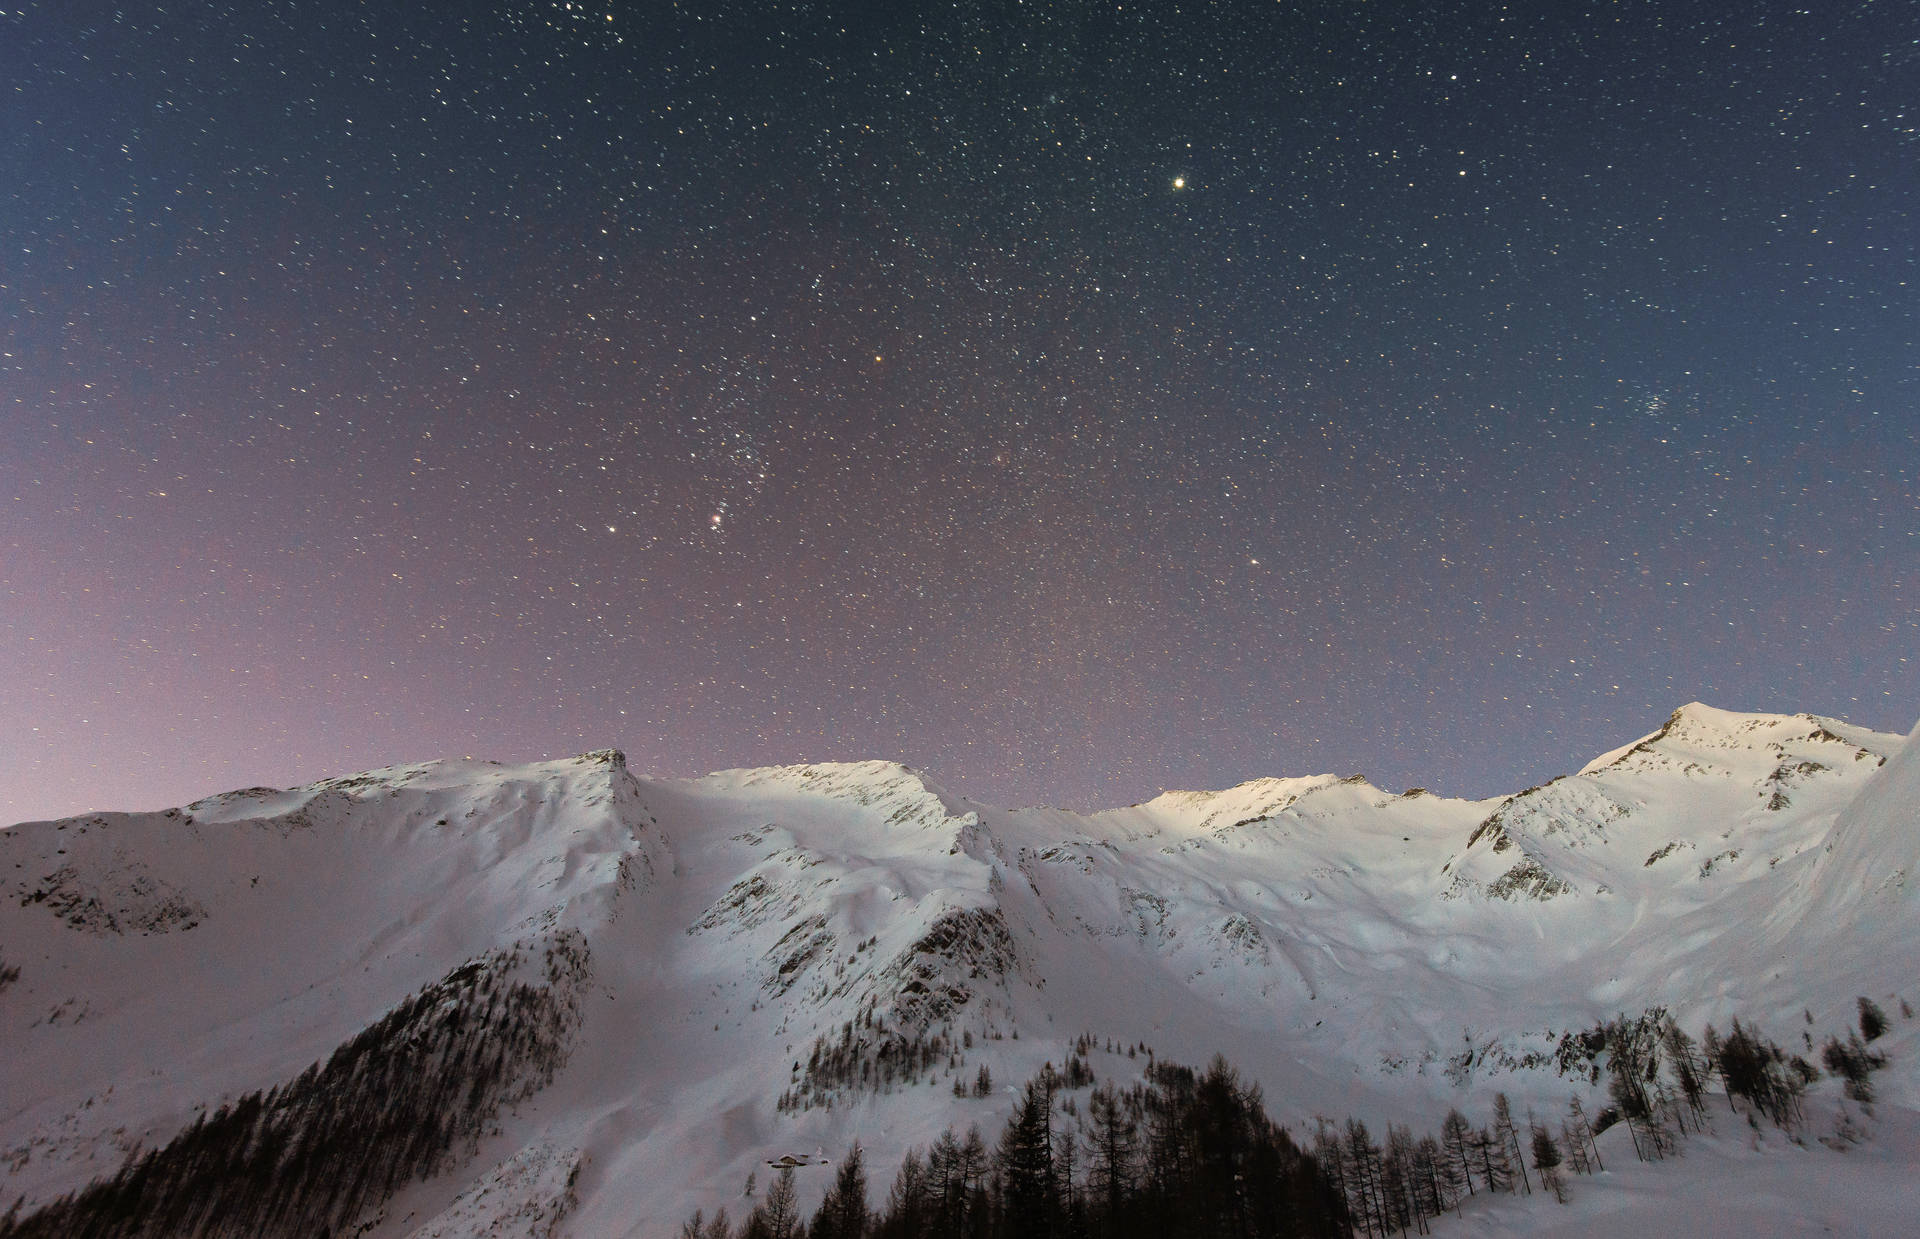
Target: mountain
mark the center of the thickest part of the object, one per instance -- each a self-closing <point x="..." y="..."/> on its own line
<point x="564" y="998"/>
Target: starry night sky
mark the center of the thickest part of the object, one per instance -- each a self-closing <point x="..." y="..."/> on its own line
<point x="1071" y="400"/>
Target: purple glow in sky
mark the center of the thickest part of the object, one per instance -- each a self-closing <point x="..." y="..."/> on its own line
<point x="1072" y="401"/>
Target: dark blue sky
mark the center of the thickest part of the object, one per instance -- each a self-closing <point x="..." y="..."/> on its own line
<point x="1072" y="400"/>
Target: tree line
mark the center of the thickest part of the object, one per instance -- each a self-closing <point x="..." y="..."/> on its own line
<point x="1192" y="1154"/>
<point x="1182" y="1154"/>
<point x="400" y="1101"/>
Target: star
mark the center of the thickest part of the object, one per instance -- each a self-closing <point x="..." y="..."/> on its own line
<point x="972" y="422"/>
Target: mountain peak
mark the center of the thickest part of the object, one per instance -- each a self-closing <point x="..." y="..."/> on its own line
<point x="1697" y="734"/>
<point x="762" y="961"/>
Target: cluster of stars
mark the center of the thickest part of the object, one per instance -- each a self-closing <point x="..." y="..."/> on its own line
<point x="1070" y="401"/>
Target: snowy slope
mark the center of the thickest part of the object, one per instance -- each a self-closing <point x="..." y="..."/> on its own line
<point x="776" y="961"/>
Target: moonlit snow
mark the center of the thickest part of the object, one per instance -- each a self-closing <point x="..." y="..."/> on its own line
<point x="1357" y="951"/>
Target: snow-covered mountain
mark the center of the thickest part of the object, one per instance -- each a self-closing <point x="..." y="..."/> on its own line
<point x="623" y="994"/>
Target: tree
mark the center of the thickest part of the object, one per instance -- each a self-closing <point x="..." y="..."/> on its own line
<point x="1430" y="1182"/>
<point x="908" y="1199"/>
<point x="1669" y="1124"/>
<point x="1584" y="1153"/>
<point x="843" y="1213"/>
<point x="1855" y="1063"/>
<point x="955" y="1171"/>
<point x="1546" y="1159"/>
<point x="1715" y="1049"/>
<point x="1025" y="1163"/>
<point x="1495" y="1168"/>
<point x="1327" y="1151"/>
<point x="975" y="1162"/>
<point x="1216" y="1167"/>
<point x="778" y="1212"/>
<point x="1366" y="1193"/>
<point x="1509" y="1138"/>
<point x="1456" y="1155"/>
<point x="1873" y="1021"/>
<point x="700" y="1227"/>
<point x="1630" y="1098"/>
<point x="1689" y="1070"/>
<point x="1226" y="1122"/>
<point x="1756" y="1070"/>
<point x="1068" y="1201"/>
<point x="1170" y="1158"/>
<point x="1112" y="1147"/>
<point x="1399" y="1183"/>
<point x="1456" y="1146"/>
<point x="945" y="1195"/>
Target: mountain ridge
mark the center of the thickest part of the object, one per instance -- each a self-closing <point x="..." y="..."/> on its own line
<point x="788" y="956"/>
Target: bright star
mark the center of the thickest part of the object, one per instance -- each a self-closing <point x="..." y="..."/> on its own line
<point x="1179" y="182"/>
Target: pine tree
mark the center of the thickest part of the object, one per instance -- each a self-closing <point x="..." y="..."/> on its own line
<point x="908" y="1203"/>
<point x="1366" y="1195"/>
<point x="1757" y="1070"/>
<point x="1630" y="1099"/>
<point x="1226" y="1123"/>
<point x="1854" y="1062"/>
<point x="1025" y="1163"/>
<point x="1456" y="1142"/>
<point x="1398" y="1183"/>
<point x="1546" y="1160"/>
<point x="1066" y="1166"/>
<point x="1436" y="1194"/>
<point x="1579" y="1135"/>
<point x="779" y="1212"/>
<point x="1503" y="1131"/>
<point x="955" y="1171"/>
<point x="1327" y="1152"/>
<point x="1495" y="1168"/>
<point x="1215" y="1167"/>
<point x="1586" y="1133"/>
<point x="843" y="1213"/>
<point x="1113" y="1144"/>
<point x="1667" y="1125"/>
<point x="699" y="1226"/>
<point x="1873" y="1021"/>
<point x="975" y="1164"/>
<point x="1689" y="1070"/>
<point x="943" y="1196"/>
<point x="1169" y="1159"/>
<point x="1713" y="1048"/>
